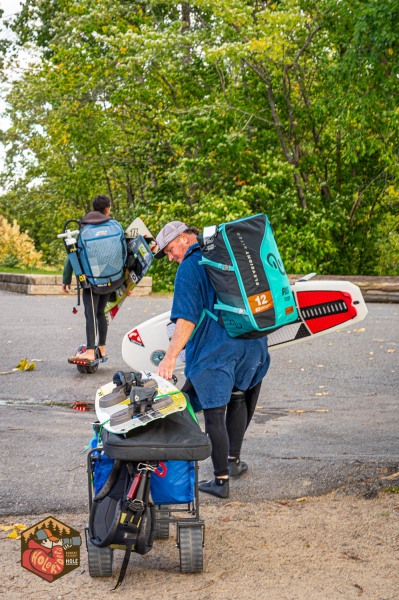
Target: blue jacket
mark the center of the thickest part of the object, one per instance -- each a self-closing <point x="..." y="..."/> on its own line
<point x="215" y="362"/>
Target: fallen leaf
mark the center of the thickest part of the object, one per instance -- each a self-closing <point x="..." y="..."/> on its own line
<point x="303" y="499"/>
<point x="25" y="365"/>
<point x="391" y="350"/>
<point x="16" y="530"/>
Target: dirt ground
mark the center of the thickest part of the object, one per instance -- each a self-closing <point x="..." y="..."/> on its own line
<point x="324" y="548"/>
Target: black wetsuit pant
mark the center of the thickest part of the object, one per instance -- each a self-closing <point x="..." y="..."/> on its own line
<point x="94" y="305"/>
<point x="226" y="426"/>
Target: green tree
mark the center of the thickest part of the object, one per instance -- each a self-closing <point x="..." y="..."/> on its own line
<point x="208" y="111"/>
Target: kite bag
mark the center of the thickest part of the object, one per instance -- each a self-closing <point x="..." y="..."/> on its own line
<point x="253" y="292"/>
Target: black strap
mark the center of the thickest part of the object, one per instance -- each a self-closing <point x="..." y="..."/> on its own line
<point x="133" y="508"/>
<point x="125" y="563"/>
<point x="111" y="479"/>
<point x="129" y="544"/>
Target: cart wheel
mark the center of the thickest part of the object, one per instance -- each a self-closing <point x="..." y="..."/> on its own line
<point x="191" y="550"/>
<point x="100" y="560"/>
<point x="161" y="523"/>
<point x="89" y="370"/>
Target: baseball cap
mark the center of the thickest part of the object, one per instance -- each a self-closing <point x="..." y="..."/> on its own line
<point x="43" y="534"/>
<point x="167" y="234"/>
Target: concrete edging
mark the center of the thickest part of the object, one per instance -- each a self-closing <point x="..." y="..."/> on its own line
<point x="50" y="285"/>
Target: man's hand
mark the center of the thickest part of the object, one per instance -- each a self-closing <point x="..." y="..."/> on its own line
<point x="181" y="335"/>
<point x="166" y="367"/>
<point x="66" y="288"/>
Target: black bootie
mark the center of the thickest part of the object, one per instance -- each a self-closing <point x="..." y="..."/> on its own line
<point x="217" y="487"/>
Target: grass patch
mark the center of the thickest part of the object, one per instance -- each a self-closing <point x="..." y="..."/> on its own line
<point x="393" y="489"/>
<point x="42" y="271"/>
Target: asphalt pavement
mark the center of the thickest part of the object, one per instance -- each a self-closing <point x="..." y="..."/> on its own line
<point x="327" y="416"/>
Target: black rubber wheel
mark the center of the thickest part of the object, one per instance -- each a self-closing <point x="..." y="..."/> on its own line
<point x="100" y="560"/>
<point x="191" y="550"/>
<point x="161" y="523"/>
<point x="89" y="370"/>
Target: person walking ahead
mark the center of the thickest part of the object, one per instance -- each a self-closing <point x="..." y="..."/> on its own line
<point x="94" y="299"/>
<point x="225" y="373"/>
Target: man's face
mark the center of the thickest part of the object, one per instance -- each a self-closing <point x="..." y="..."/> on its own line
<point x="177" y="248"/>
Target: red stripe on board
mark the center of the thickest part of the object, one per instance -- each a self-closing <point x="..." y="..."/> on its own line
<point x="113" y="311"/>
<point x="322" y="301"/>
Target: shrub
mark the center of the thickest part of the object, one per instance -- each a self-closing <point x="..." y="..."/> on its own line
<point x="16" y="247"/>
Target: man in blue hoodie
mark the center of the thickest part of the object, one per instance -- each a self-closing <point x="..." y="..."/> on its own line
<point x="225" y="373"/>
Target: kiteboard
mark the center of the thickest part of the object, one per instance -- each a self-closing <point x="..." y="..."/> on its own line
<point x="122" y="417"/>
<point x="141" y="248"/>
<point x="323" y="307"/>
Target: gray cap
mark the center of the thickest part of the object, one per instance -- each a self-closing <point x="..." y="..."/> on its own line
<point x="167" y="234"/>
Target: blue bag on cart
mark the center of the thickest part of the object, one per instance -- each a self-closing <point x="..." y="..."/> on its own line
<point x="176" y="486"/>
<point x="102" y="466"/>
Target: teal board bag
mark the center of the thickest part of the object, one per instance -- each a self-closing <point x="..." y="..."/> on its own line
<point x="244" y="265"/>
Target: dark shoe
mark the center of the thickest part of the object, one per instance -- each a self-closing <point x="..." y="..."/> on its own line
<point x="99" y="355"/>
<point x="237" y="467"/>
<point x="216" y="487"/>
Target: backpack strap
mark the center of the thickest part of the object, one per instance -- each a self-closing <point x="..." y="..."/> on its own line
<point x="135" y="507"/>
<point x="112" y="477"/>
<point x="205" y="312"/>
<point x="211" y="263"/>
<point x="228" y="308"/>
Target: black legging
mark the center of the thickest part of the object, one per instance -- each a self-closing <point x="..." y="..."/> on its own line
<point x="226" y="426"/>
<point x="94" y="305"/>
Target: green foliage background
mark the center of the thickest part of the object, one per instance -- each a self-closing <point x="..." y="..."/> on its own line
<point x="208" y="111"/>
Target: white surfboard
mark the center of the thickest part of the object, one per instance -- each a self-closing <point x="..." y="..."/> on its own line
<point x="323" y="307"/>
<point x="165" y="390"/>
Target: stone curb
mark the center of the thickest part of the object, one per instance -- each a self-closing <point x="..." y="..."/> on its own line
<point x="50" y="285"/>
